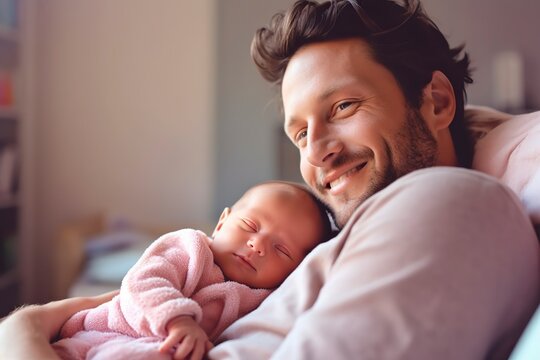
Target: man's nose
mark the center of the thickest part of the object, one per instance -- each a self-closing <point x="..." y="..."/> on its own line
<point x="257" y="244"/>
<point x="322" y="146"/>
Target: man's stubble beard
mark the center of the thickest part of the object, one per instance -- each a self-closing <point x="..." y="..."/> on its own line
<point x="415" y="148"/>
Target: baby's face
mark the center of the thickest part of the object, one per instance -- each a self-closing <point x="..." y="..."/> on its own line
<point x="266" y="235"/>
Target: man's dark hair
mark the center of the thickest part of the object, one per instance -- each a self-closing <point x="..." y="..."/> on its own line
<point x="401" y="37"/>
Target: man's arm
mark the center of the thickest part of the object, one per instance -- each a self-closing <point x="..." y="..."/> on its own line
<point x="26" y="333"/>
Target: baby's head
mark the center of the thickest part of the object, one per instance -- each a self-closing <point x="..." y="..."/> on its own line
<point x="268" y="232"/>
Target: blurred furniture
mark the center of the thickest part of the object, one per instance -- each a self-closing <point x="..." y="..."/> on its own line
<point x="12" y="139"/>
<point x="69" y="255"/>
<point x="92" y="254"/>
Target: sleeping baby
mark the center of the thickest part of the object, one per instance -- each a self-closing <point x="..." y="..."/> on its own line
<point x="188" y="287"/>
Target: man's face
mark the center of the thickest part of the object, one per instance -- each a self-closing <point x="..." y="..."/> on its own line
<point x="347" y="115"/>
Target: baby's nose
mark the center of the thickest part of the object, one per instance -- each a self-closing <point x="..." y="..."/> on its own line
<point x="257" y="245"/>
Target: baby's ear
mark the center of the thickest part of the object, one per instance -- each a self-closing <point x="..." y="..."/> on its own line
<point x="224" y="214"/>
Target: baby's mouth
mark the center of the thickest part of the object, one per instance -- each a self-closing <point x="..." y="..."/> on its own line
<point x="246" y="261"/>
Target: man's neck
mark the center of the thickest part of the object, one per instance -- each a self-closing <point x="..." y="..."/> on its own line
<point x="447" y="152"/>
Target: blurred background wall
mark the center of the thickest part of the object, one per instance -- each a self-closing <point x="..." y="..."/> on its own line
<point x="124" y="114"/>
<point x="152" y="110"/>
<point x="491" y="30"/>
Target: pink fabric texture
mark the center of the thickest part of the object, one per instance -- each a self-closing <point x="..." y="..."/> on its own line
<point x="511" y="153"/>
<point x="175" y="276"/>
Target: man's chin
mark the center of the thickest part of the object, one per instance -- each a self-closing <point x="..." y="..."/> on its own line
<point x="344" y="208"/>
<point x="343" y="213"/>
<point x="342" y="220"/>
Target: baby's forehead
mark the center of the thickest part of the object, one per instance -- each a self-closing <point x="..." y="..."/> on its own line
<point x="273" y="200"/>
<point x="292" y="209"/>
<point x="287" y="193"/>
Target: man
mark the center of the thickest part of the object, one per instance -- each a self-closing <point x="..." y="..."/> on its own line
<point x="372" y="92"/>
<point x="438" y="263"/>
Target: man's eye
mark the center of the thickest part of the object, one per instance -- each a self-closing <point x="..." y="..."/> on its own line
<point x="345" y="109"/>
<point x="300" y="137"/>
<point x="302" y="134"/>
<point x="344" y="105"/>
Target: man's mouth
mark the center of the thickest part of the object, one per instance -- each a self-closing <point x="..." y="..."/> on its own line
<point x="336" y="182"/>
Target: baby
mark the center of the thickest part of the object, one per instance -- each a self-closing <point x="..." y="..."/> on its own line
<point x="188" y="287"/>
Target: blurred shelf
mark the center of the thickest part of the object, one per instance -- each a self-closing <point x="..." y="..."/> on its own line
<point x="12" y="49"/>
<point x="8" y="279"/>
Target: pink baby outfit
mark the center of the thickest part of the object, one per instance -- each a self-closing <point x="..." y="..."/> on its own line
<point x="175" y="276"/>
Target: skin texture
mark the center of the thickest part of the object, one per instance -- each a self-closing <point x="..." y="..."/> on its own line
<point x="355" y="132"/>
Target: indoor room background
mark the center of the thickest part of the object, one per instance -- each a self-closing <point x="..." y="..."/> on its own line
<point x="152" y="111"/>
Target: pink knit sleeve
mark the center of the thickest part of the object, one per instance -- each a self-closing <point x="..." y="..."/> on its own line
<point x="159" y="286"/>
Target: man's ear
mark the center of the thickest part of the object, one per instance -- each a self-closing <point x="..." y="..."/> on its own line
<point x="439" y="102"/>
<point x="224" y="214"/>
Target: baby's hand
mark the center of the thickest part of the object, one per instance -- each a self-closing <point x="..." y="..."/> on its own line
<point x="192" y="341"/>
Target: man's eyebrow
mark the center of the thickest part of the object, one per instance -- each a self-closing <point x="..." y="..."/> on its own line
<point x="290" y="123"/>
<point x="327" y="93"/>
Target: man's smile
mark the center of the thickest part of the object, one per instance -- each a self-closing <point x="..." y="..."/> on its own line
<point x="335" y="182"/>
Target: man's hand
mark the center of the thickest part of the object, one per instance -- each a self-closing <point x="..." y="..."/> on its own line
<point x="26" y="333"/>
<point x="54" y="314"/>
<point x="192" y="341"/>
